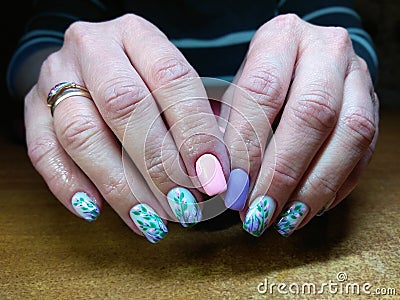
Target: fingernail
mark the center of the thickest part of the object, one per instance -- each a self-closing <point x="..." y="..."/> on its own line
<point x="210" y="174"/>
<point x="149" y="223"/>
<point x="184" y="206"/>
<point x="258" y="215"/>
<point x="85" y="206"/>
<point x="291" y="218"/>
<point x="326" y="206"/>
<point x="236" y="192"/>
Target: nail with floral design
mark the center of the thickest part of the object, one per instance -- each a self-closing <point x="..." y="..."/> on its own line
<point x="258" y="215"/>
<point x="85" y="206"/>
<point x="149" y="223"/>
<point x="291" y="218"/>
<point x="184" y="206"/>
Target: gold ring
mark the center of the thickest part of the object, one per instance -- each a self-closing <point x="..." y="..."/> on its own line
<point x="63" y="91"/>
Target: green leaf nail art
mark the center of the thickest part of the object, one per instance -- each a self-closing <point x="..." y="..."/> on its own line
<point x="85" y="206"/>
<point x="184" y="206"/>
<point x="291" y="218"/>
<point x="258" y="215"/>
<point x="149" y="223"/>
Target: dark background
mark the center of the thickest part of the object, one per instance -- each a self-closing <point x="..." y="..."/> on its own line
<point x="381" y="18"/>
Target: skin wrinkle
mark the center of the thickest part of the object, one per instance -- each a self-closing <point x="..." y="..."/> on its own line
<point x="79" y="137"/>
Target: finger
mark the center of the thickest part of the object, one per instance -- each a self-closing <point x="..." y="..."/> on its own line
<point x="355" y="175"/>
<point x="183" y="101"/>
<point x="64" y="179"/>
<point x="91" y="145"/>
<point x="128" y="108"/>
<point x="309" y="117"/>
<point x="257" y="100"/>
<point x="346" y="146"/>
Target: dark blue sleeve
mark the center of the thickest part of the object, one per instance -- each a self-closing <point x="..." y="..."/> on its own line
<point x="46" y="25"/>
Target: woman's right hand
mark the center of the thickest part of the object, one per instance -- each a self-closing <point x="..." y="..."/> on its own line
<point x="134" y="75"/>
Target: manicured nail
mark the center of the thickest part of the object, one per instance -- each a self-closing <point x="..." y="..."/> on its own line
<point x="184" y="206"/>
<point x="149" y="223"/>
<point x="236" y="192"/>
<point x="85" y="206"/>
<point x="210" y="174"/>
<point x="291" y="218"/>
<point x="326" y="206"/>
<point x="258" y="216"/>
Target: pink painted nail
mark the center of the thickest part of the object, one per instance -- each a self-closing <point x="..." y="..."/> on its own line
<point x="210" y="174"/>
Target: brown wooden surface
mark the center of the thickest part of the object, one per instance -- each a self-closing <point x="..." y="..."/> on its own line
<point x="48" y="253"/>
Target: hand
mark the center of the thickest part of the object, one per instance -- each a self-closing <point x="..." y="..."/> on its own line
<point x="133" y="73"/>
<point x="308" y="82"/>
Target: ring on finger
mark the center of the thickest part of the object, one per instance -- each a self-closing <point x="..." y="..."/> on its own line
<point x="64" y="90"/>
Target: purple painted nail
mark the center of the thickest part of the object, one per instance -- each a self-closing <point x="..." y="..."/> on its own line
<point x="238" y="187"/>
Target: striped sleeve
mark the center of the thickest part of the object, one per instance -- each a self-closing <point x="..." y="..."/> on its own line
<point x="336" y="13"/>
<point x="45" y="30"/>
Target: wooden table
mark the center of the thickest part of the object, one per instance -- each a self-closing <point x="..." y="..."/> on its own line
<point x="47" y="253"/>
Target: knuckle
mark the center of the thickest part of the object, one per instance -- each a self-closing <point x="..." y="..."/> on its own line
<point x="285" y="176"/>
<point x="195" y="135"/>
<point x="286" y="24"/>
<point x="160" y="162"/>
<point x="80" y="37"/>
<point x="132" y="21"/>
<point x="338" y="40"/>
<point x="360" y="127"/>
<point x="46" y="160"/>
<point x="42" y="150"/>
<point x="79" y="32"/>
<point x="79" y="132"/>
<point x="288" y="20"/>
<point x="167" y="69"/>
<point x="247" y="148"/>
<point x="363" y="65"/>
<point x="315" y="111"/>
<point x="115" y="188"/>
<point x="59" y="179"/>
<point x="323" y="185"/>
<point x="49" y="62"/>
<point x="129" y="18"/>
<point x="265" y="87"/>
<point x="50" y="66"/>
<point x="122" y="98"/>
<point x="245" y="155"/>
<point x="159" y="168"/>
<point x="358" y="64"/>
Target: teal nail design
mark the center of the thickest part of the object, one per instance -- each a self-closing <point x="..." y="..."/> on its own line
<point x="291" y="218"/>
<point x="85" y="206"/>
<point x="149" y="223"/>
<point x="184" y="206"/>
<point x="259" y="215"/>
